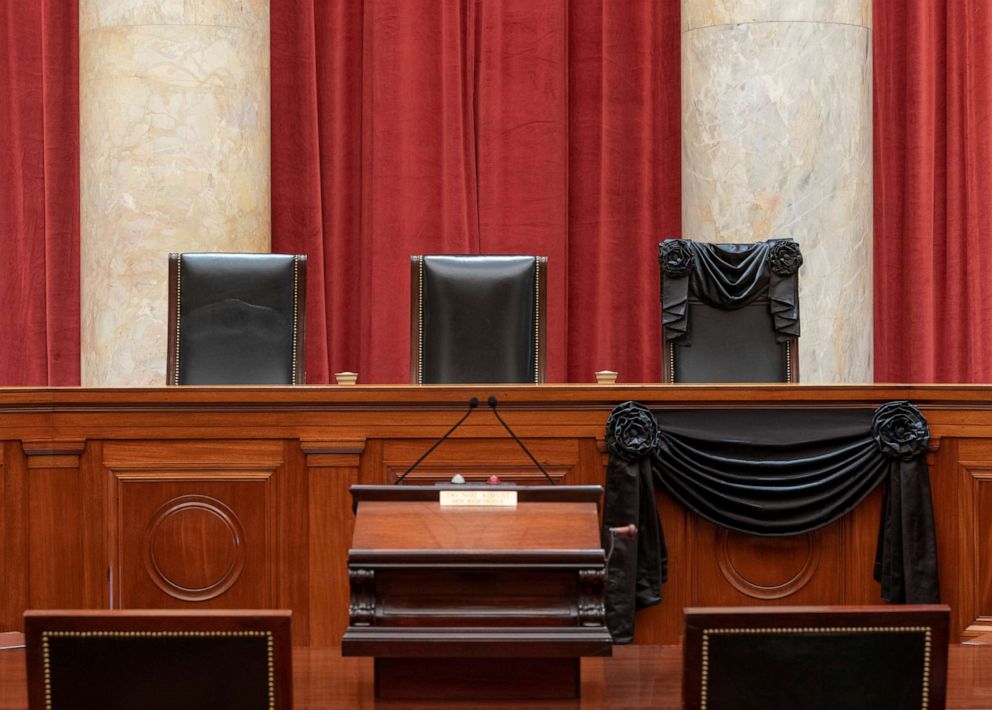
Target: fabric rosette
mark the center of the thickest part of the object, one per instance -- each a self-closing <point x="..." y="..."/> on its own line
<point x="784" y="257"/>
<point x="631" y="431"/>
<point x="675" y="257"/>
<point x="900" y="430"/>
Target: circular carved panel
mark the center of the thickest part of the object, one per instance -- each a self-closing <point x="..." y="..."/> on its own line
<point x="194" y="548"/>
<point x="768" y="567"/>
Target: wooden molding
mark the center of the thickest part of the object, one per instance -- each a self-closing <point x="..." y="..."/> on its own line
<point x="333" y="453"/>
<point x="54" y="453"/>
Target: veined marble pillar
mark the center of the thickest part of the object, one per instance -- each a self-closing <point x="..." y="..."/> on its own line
<point x="174" y="155"/>
<point x="776" y="142"/>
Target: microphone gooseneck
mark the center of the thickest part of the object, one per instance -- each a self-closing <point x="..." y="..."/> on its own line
<point x="472" y="404"/>
<point x="492" y="405"/>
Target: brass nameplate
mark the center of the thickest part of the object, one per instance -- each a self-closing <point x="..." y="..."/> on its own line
<point x="479" y="498"/>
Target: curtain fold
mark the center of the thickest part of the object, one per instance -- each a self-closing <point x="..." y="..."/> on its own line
<point x="933" y="149"/>
<point x="513" y="126"/>
<point x="476" y="126"/>
<point x="729" y="276"/>
<point x="769" y="472"/>
<point x="39" y="192"/>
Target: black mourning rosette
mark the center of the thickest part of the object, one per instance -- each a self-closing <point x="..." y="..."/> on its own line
<point x="784" y="257"/>
<point x="631" y="431"/>
<point x="900" y="430"/>
<point x="675" y="258"/>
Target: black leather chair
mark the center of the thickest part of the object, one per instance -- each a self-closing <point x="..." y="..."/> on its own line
<point x="477" y="319"/>
<point x="730" y="312"/>
<point x="195" y="660"/>
<point x="236" y="319"/>
<point x="816" y="658"/>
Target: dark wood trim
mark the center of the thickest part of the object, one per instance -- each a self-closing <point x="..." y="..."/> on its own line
<point x="438" y="642"/>
<point x="794" y="360"/>
<point x="53" y="447"/>
<point x="246" y="400"/>
<point x="546" y="559"/>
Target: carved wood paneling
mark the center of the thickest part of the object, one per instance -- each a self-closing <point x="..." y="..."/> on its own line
<point x="194" y="547"/>
<point x="186" y="543"/>
<point x="768" y="568"/>
<point x="75" y="460"/>
<point x="361" y="607"/>
<point x="732" y="568"/>
<point x="55" y="550"/>
<point x="195" y="523"/>
<point x="592" y="610"/>
<point x="332" y="467"/>
<point x="975" y="535"/>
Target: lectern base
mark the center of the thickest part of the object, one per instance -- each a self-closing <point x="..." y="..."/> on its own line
<point x="476" y="678"/>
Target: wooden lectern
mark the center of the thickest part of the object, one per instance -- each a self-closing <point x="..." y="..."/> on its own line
<point x="476" y="601"/>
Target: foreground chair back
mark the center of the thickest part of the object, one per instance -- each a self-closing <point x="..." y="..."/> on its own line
<point x="730" y="312"/>
<point x="812" y="658"/>
<point x="236" y="319"/>
<point x="477" y="319"/>
<point x="158" y="660"/>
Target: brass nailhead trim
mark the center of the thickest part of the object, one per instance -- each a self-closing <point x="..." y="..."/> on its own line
<point x="537" y="320"/>
<point x="788" y="361"/>
<point x="179" y="313"/>
<point x="420" y="322"/>
<point x="46" y="653"/>
<point x="296" y="262"/>
<point x="925" y="630"/>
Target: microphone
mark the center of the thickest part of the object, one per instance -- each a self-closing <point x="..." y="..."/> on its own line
<point x="492" y="405"/>
<point x="472" y="404"/>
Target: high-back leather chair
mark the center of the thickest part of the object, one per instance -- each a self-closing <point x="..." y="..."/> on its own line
<point x="730" y="312"/>
<point x="816" y="658"/>
<point x="477" y="319"/>
<point x="195" y="660"/>
<point x="236" y="319"/>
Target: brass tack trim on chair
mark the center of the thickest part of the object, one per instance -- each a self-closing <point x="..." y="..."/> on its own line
<point x="925" y="630"/>
<point x="788" y="361"/>
<point x="179" y="313"/>
<point x="537" y="320"/>
<point x="420" y="320"/>
<point x="46" y="651"/>
<point x="296" y="265"/>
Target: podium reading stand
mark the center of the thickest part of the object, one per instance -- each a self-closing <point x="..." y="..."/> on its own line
<point x="478" y="599"/>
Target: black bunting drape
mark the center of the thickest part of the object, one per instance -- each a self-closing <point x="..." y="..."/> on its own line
<point x="729" y="276"/>
<point x="767" y="472"/>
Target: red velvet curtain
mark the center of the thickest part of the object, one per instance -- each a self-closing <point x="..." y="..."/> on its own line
<point x="536" y="126"/>
<point x="477" y="126"/>
<point x="933" y="190"/>
<point x="39" y="193"/>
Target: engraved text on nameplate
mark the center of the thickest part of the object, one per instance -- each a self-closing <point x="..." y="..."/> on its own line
<point x="481" y="498"/>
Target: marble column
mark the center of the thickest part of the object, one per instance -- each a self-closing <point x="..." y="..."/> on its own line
<point x="174" y="155"/>
<point x="776" y="142"/>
